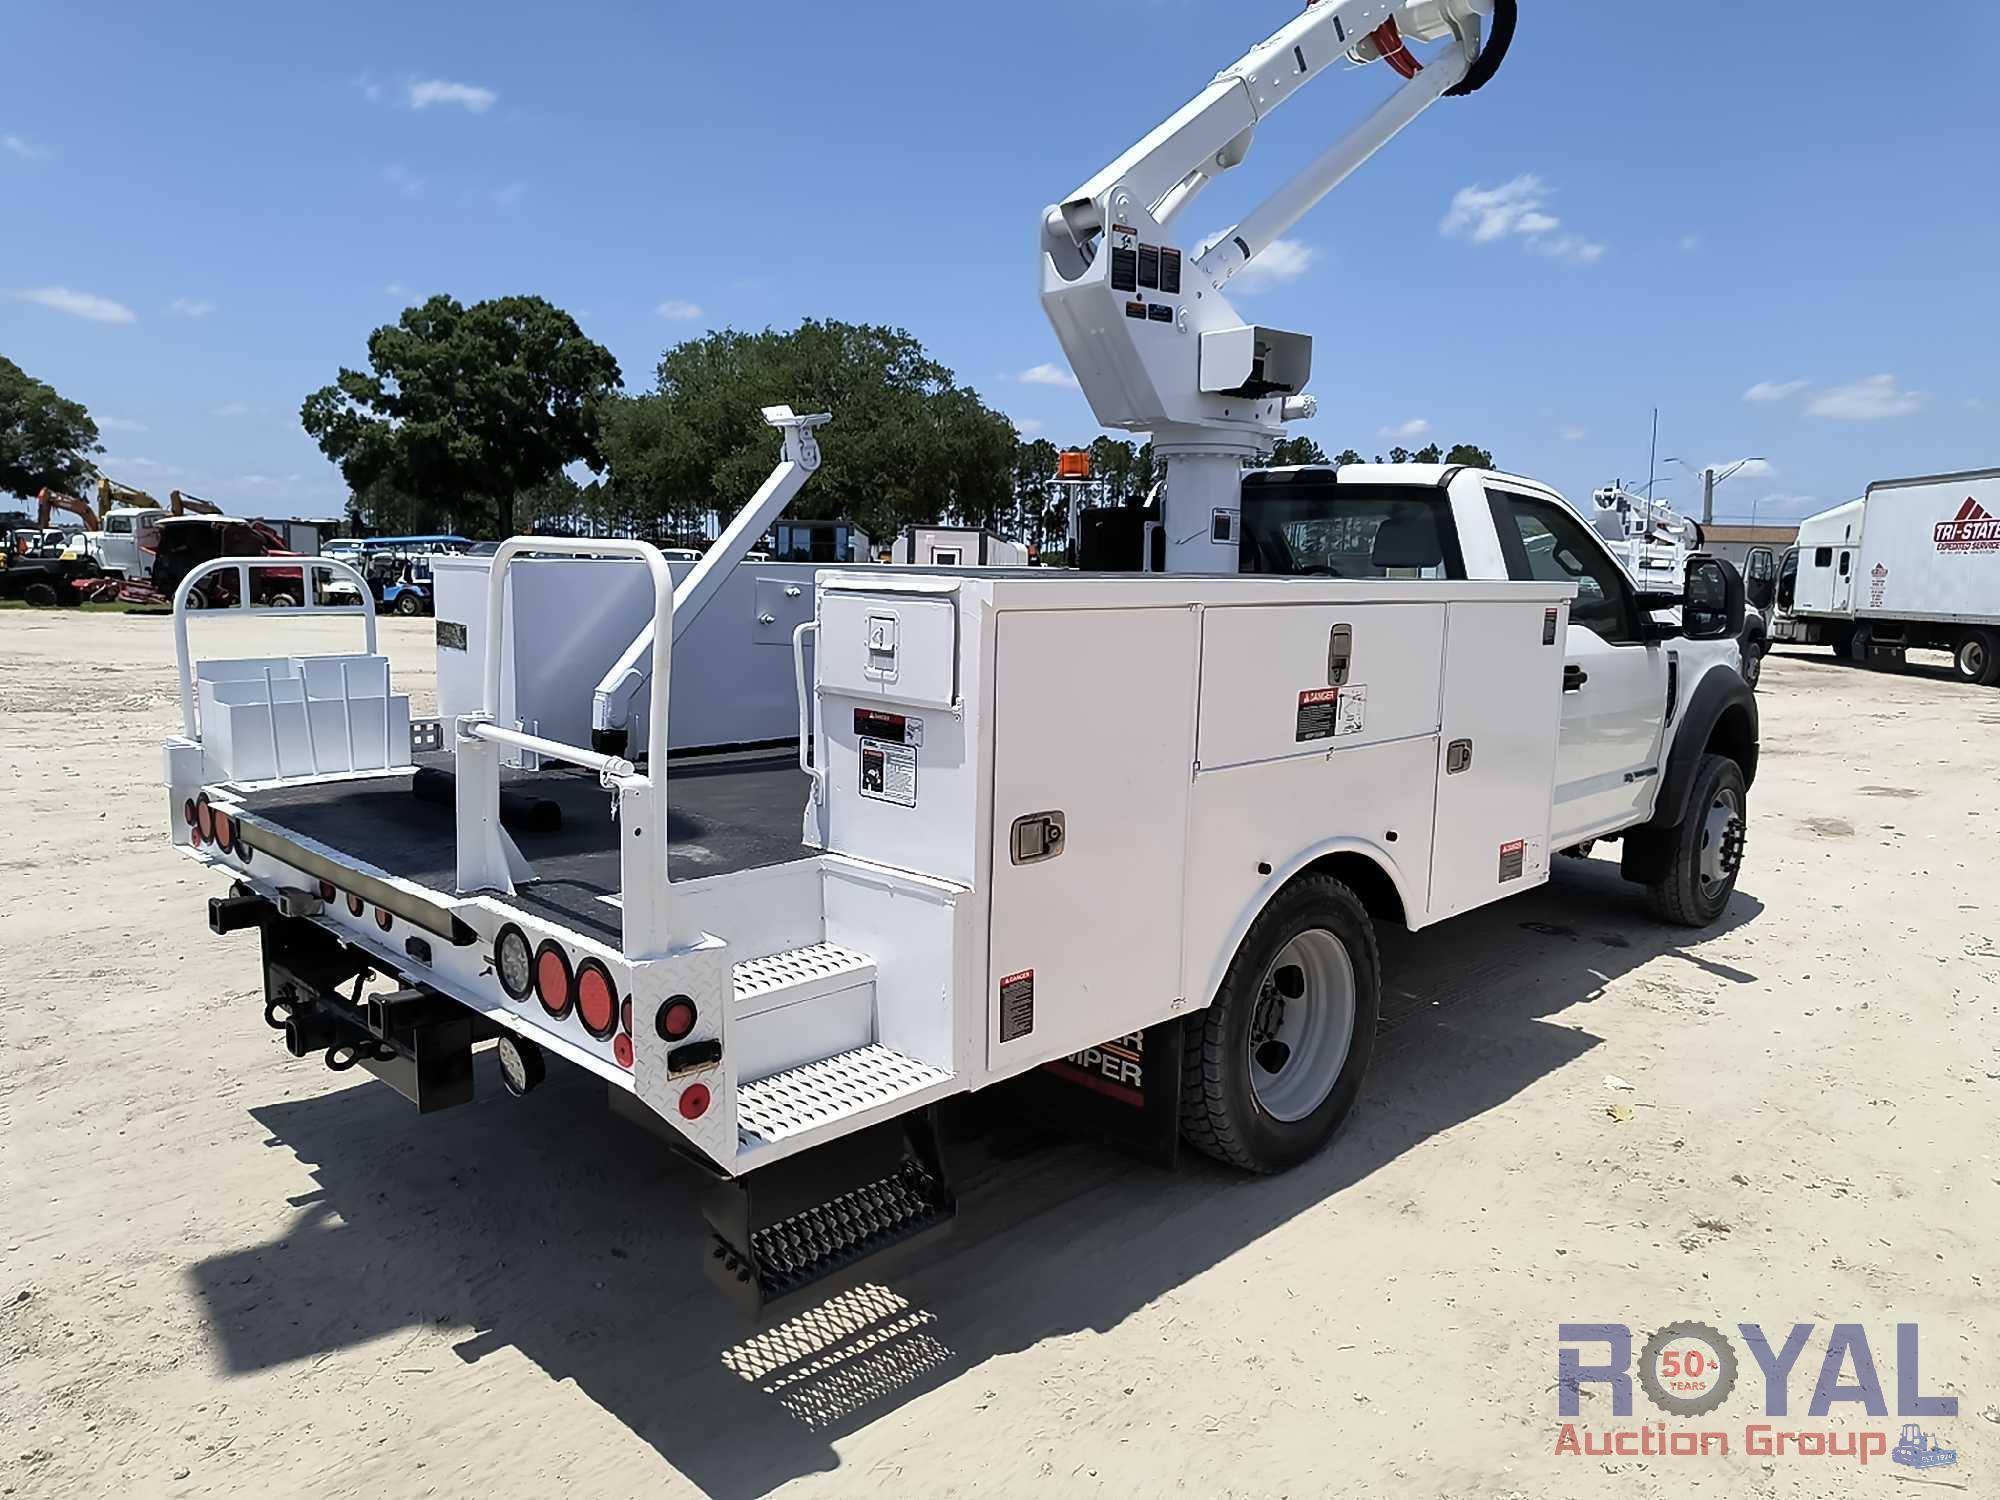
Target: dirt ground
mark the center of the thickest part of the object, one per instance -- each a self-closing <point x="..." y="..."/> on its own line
<point x="223" y="1272"/>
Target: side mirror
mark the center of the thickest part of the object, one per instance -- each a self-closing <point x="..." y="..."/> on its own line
<point x="1713" y="608"/>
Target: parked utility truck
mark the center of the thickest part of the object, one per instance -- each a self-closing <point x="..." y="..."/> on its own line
<point x="1030" y="816"/>
<point x="1914" y="563"/>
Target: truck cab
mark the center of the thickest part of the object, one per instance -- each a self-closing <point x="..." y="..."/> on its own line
<point x="1632" y="676"/>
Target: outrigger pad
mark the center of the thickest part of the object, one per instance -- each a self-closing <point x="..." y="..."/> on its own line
<point x="828" y="1217"/>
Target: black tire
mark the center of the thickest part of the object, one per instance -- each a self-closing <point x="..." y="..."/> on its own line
<point x="1978" y="657"/>
<point x="280" y="600"/>
<point x="40" y="595"/>
<point x="1753" y="661"/>
<point x="1860" y="646"/>
<point x="1693" y="889"/>
<point x="196" y="599"/>
<point x="1221" y="1115"/>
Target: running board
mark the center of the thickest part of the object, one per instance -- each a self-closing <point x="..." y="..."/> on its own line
<point x="817" y="1223"/>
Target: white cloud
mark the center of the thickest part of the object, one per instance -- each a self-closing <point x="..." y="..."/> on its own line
<point x="1409" y="431"/>
<point x="1574" y="434"/>
<point x="396" y="289"/>
<point x="79" y="304"/>
<point x="1690" y="243"/>
<point x="188" y="307"/>
<point x="678" y="310"/>
<point x="510" y="195"/>
<point x="1749" y="468"/>
<point x="1516" y="210"/>
<point x="1975" y="403"/>
<point x="232" y="409"/>
<point x="119" y="424"/>
<point x="27" y="150"/>
<point x="1869" y="400"/>
<point x="266" y="481"/>
<point x="371" y="90"/>
<point x="131" y="465"/>
<point x="1029" y="426"/>
<point x="402" y="179"/>
<point x="425" y="92"/>
<point x="1048" y="374"/>
<point x="1775" y="390"/>
<point x="1282" y="261"/>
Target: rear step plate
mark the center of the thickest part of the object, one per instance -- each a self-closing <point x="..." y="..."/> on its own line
<point x="825" y="1092"/>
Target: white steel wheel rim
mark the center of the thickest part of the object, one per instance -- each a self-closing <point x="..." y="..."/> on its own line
<point x="1725" y="815"/>
<point x="1972" y="658"/>
<point x="1314" y="1029"/>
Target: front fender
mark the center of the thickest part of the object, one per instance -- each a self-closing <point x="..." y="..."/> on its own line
<point x="1721" y="701"/>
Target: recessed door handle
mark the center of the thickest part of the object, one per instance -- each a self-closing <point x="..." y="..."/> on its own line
<point x="1574" y="678"/>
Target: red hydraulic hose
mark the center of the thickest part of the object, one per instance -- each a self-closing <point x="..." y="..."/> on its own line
<point x="1388" y="40"/>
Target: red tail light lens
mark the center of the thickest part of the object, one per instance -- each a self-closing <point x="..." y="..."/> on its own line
<point x="383" y="920"/>
<point x="204" y="817"/>
<point x="596" y="999"/>
<point x="187" y="812"/>
<point x="327" y="891"/>
<point x="621" y="1048"/>
<point x="625" y="1015"/>
<point x="355" y="905"/>
<point x="694" y="1101"/>
<point x="225" y="830"/>
<point x="554" y="983"/>
<point x="676" y="1018"/>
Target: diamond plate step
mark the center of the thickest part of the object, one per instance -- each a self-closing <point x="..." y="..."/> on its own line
<point x="826" y="1239"/>
<point x="826" y="1092"/>
<point x="797" y="974"/>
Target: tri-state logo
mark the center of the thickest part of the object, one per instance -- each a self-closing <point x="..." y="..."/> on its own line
<point x="1973" y="529"/>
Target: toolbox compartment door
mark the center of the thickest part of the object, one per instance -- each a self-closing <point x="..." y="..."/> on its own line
<point x="1093" y="721"/>
<point x="1503" y="674"/>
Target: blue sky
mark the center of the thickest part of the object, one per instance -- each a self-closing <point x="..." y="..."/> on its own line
<point x="1779" y="226"/>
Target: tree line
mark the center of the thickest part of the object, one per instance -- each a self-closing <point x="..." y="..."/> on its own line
<point x="474" y="419"/>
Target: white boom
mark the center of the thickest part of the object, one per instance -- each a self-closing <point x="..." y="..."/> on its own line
<point x="611" y="704"/>
<point x="1144" y="321"/>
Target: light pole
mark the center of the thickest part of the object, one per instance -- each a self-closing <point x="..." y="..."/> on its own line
<point x="1710" y="478"/>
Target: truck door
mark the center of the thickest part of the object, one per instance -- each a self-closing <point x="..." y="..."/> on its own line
<point x="1760" y="580"/>
<point x="1843" y="582"/>
<point x="1614" y="680"/>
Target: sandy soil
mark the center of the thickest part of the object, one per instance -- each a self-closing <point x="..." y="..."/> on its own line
<point x="226" y="1273"/>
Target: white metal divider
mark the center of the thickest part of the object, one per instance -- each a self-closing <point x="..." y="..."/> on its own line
<point x="487" y="859"/>
<point x="306" y="567"/>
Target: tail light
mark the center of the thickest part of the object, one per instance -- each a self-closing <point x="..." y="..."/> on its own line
<point x="383" y="920"/>
<point x="327" y="892"/>
<point x="596" y="999"/>
<point x="694" y="1101"/>
<point x="555" y="984"/>
<point x="621" y="1048"/>
<point x="188" y="812"/>
<point x="675" y="1019"/>
<point x="355" y="905"/>
<point x="514" y="963"/>
<point x="225" y="830"/>
<point x="204" y="818"/>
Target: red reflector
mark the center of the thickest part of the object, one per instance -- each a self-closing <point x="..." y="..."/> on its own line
<point x="354" y="905"/>
<point x="187" y="811"/>
<point x="552" y="980"/>
<point x="204" y="817"/>
<point x="326" y="890"/>
<point x="625" y="1014"/>
<point x="596" y="999"/>
<point x="694" y="1101"/>
<point x="225" y="829"/>
<point x="383" y="920"/>
<point x="621" y="1048"/>
<point x="676" y="1018"/>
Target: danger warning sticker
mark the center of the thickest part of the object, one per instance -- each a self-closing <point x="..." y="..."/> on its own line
<point x="1512" y="857"/>
<point x="1017" y="1005"/>
<point x="1330" y="713"/>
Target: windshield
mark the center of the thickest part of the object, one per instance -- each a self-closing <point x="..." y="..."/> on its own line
<point x="1310" y="525"/>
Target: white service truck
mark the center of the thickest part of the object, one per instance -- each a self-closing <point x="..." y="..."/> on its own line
<point x="1031" y="817"/>
<point x="1914" y="563"/>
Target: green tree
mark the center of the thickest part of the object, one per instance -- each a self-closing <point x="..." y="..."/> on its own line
<point x="467" y="406"/>
<point x="1471" y="457"/>
<point x="1296" y="451"/>
<point x="1347" y="456"/>
<point x="45" y="440"/>
<point x="908" y="444"/>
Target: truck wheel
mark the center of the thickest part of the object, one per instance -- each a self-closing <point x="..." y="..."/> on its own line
<point x="1860" y="645"/>
<point x="1707" y="848"/>
<point x="1978" y="658"/>
<point x="280" y="600"/>
<point x="1275" y="1063"/>
<point x="41" y="595"/>
<point x="1754" y="653"/>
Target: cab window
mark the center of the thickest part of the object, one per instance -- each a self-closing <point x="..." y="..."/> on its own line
<point x="1312" y="526"/>
<point x="1548" y="542"/>
<point x="117" y="525"/>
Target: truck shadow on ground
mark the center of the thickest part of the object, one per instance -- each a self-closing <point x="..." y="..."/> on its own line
<point x="551" y="1226"/>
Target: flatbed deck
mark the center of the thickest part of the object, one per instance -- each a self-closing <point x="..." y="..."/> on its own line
<point x="727" y="812"/>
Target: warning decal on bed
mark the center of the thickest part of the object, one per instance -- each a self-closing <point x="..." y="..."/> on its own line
<point x="889" y="772"/>
<point x="1017" y="1005"/>
<point x="1330" y="713"/>
<point x="1511" y="858"/>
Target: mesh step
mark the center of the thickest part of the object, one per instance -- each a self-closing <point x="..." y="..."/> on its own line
<point x="798" y="974"/>
<point x="824" y="1240"/>
<point x="825" y="1092"/>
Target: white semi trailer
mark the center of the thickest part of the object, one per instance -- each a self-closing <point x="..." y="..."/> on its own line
<point x="1029" y="815"/>
<point x="1914" y="563"/>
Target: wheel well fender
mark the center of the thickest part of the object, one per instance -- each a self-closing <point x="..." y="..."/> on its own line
<point x="1364" y="867"/>
<point x="1720" y="718"/>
